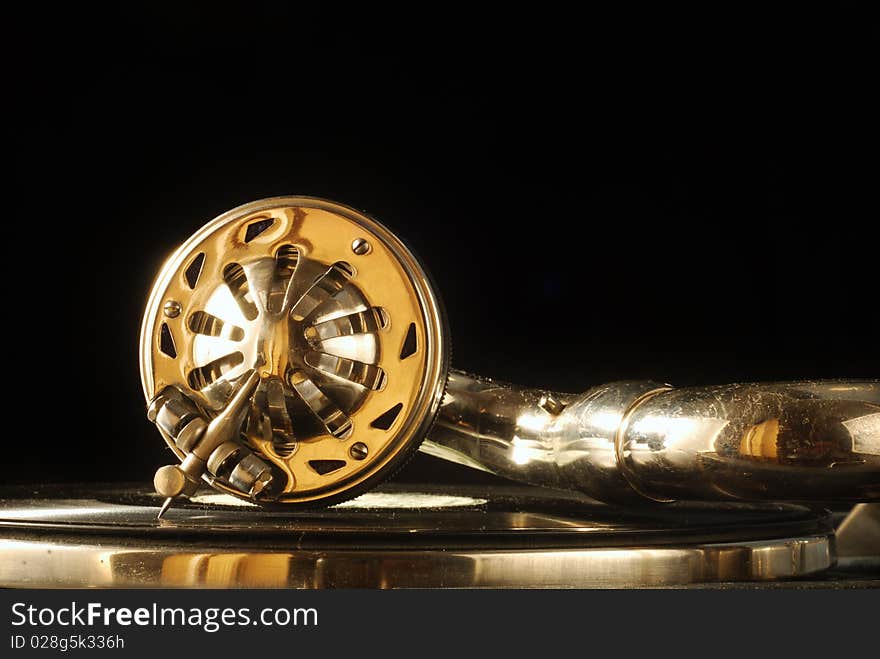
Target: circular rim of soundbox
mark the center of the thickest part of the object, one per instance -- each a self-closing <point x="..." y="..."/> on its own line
<point x="411" y="427"/>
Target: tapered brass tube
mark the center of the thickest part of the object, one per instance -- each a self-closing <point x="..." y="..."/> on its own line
<point x="632" y="441"/>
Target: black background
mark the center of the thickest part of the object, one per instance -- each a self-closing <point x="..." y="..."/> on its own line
<point x="687" y="198"/>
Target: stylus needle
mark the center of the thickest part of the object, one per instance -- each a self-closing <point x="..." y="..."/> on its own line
<point x="165" y="507"/>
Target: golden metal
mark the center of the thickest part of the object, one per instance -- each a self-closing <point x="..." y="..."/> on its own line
<point x="399" y="537"/>
<point x="338" y="320"/>
<point x="630" y="442"/>
<point x="116" y="565"/>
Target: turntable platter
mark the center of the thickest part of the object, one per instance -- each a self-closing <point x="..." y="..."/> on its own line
<point x="398" y="536"/>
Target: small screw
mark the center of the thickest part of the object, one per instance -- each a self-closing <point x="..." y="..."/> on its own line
<point x="360" y="246"/>
<point x="551" y="404"/>
<point x="358" y="451"/>
<point x="172" y="308"/>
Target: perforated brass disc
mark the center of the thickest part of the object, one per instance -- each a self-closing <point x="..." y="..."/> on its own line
<point x="337" y="317"/>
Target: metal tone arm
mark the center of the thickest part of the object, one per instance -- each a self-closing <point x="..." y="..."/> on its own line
<point x="631" y="441"/>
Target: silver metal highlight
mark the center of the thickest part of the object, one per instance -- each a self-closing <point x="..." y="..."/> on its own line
<point x="638" y="441"/>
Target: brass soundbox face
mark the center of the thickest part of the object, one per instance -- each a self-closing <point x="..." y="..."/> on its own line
<point x="319" y="327"/>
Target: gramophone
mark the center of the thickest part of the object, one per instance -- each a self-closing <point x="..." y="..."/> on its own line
<point x="294" y="354"/>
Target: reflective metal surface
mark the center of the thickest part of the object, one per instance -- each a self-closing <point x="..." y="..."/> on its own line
<point x="807" y="441"/>
<point x="326" y="325"/>
<point x="790" y="441"/>
<point x="399" y="537"/>
<point x="293" y="352"/>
